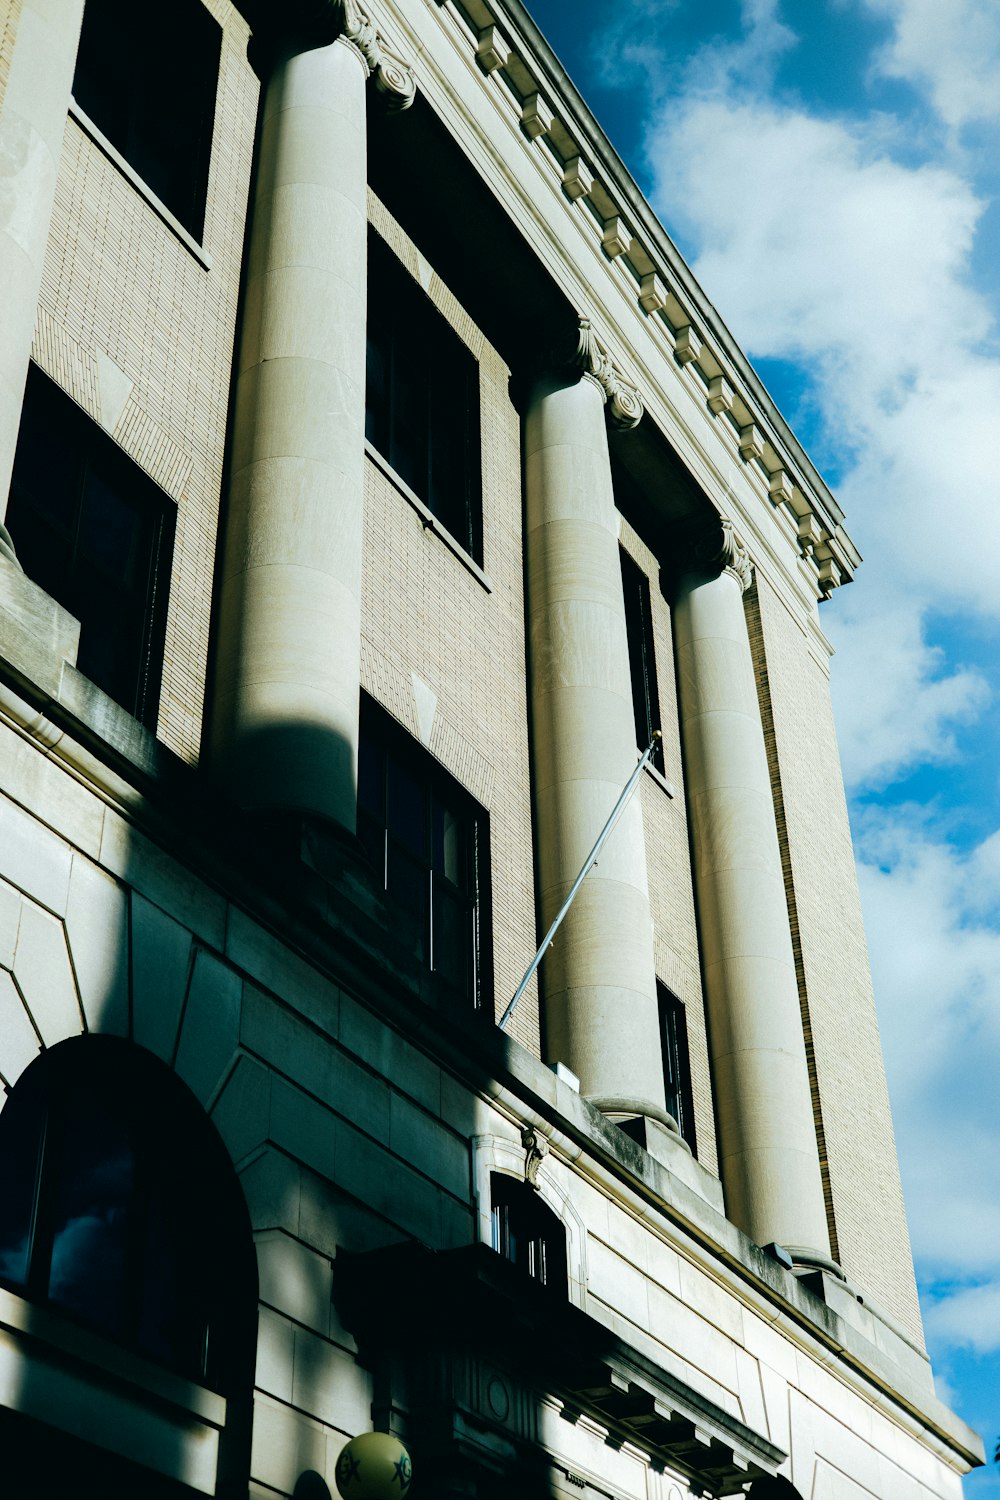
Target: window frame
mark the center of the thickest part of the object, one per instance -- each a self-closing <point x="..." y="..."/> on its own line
<point x="206" y="1262"/>
<point x="536" y="1226"/>
<point x="381" y="737"/>
<point x="82" y="580"/>
<point x="115" y="105"/>
<point x="676" y="1054"/>
<point x="637" y="600"/>
<point x="423" y="358"/>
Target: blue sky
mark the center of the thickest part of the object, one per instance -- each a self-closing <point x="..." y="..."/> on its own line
<point x="831" y="170"/>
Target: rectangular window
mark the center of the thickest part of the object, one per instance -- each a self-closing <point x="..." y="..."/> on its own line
<point x="422" y="398"/>
<point x="147" y="74"/>
<point x="428" y="842"/>
<point x="96" y="533"/>
<point x="676" y="1063"/>
<point x="641" y="657"/>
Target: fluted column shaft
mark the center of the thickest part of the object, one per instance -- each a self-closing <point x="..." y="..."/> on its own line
<point x="32" y="124"/>
<point x="286" y="706"/>
<point x="767" y="1138"/>
<point x="600" y="986"/>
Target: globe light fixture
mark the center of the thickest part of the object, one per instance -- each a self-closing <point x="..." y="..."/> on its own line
<point x="374" y="1466"/>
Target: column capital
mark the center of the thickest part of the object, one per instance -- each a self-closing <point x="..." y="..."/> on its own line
<point x="307" y="24"/>
<point x="718" y="546"/>
<point x="580" y="349"/>
<point x="393" y="77"/>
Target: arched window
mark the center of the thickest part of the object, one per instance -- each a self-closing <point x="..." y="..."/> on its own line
<point x="527" y="1233"/>
<point x="120" y="1209"/>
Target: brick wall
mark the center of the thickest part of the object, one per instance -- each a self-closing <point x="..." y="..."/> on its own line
<point x="124" y="296"/>
<point x="856" y="1138"/>
<point x="428" y="614"/>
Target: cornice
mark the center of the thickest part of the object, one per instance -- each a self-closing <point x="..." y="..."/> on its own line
<point x="514" y="57"/>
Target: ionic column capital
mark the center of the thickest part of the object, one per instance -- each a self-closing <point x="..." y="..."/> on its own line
<point x="719" y="547"/>
<point x="307" y="24"/>
<point x="393" y="77"/>
<point x="581" y="349"/>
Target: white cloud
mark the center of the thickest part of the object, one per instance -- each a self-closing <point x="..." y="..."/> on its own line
<point x="969" y="1318"/>
<point x="935" y="952"/>
<point x="821" y="247"/>
<point x="948" y="48"/>
<point x="904" y="711"/>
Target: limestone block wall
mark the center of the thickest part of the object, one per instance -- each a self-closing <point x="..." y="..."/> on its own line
<point x="864" y="1196"/>
<point x="137" y="325"/>
<point x="443" y="641"/>
<point x="346" y="1135"/>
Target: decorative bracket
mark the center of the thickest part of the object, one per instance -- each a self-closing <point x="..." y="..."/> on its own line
<point x="536" y="1149"/>
<point x="583" y="351"/>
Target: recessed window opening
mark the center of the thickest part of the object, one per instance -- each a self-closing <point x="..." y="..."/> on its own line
<point x="147" y="75"/>
<point x="526" y="1232"/>
<point x="429" y="844"/>
<point x="676" y="1063"/>
<point x="422" y="398"/>
<point x="641" y="656"/>
<point x="119" y="1211"/>
<point x="97" y="534"/>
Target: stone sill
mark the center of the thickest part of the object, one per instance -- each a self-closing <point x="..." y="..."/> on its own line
<point x="35" y="1327"/>
<point x="427" y="516"/>
<point x="97" y="135"/>
<point x="660" y="779"/>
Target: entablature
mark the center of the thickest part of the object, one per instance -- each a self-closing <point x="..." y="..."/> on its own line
<point x="602" y="243"/>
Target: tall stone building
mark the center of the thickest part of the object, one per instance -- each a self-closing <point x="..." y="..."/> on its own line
<point x="377" y="480"/>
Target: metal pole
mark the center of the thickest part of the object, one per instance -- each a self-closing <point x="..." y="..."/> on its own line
<point x="591" y="861"/>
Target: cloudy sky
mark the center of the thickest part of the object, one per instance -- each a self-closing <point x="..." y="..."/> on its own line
<point x="831" y="170"/>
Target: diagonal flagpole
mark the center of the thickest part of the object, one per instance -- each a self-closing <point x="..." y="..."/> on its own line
<point x="589" y="864"/>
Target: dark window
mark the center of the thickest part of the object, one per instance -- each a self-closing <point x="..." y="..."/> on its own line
<point x="147" y="74"/>
<point x="527" y="1233"/>
<point x="641" y="657"/>
<point x="118" y="1208"/>
<point x="676" y="1063"/>
<point x="96" y="533"/>
<point x="422" y="398"/>
<point x="428" y="842"/>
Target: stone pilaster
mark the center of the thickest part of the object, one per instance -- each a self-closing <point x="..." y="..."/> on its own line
<point x="767" y="1138"/>
<point x="32" y="124"/>
<point x="285" y="724"/>
<point x="599" y="978"/>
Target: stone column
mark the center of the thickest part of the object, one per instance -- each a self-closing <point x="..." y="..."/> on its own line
<point x="32" y="123"/>
<point x="285" y="722"/>
<point x="601" y="1015"/>
<point x="767" y="1136"/>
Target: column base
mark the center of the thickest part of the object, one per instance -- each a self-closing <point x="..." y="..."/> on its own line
<point x="806" y="1261"/>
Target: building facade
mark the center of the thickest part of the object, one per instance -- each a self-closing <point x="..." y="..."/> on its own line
<point x="379" y="483"/>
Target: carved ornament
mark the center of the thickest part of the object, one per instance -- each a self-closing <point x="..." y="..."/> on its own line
<point x="393" y="77"/>
<point x="721" y="548"/>
<point x="306" y="24"/>
<point x="583" y="351"/>
<point x="536" y="1148"/>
